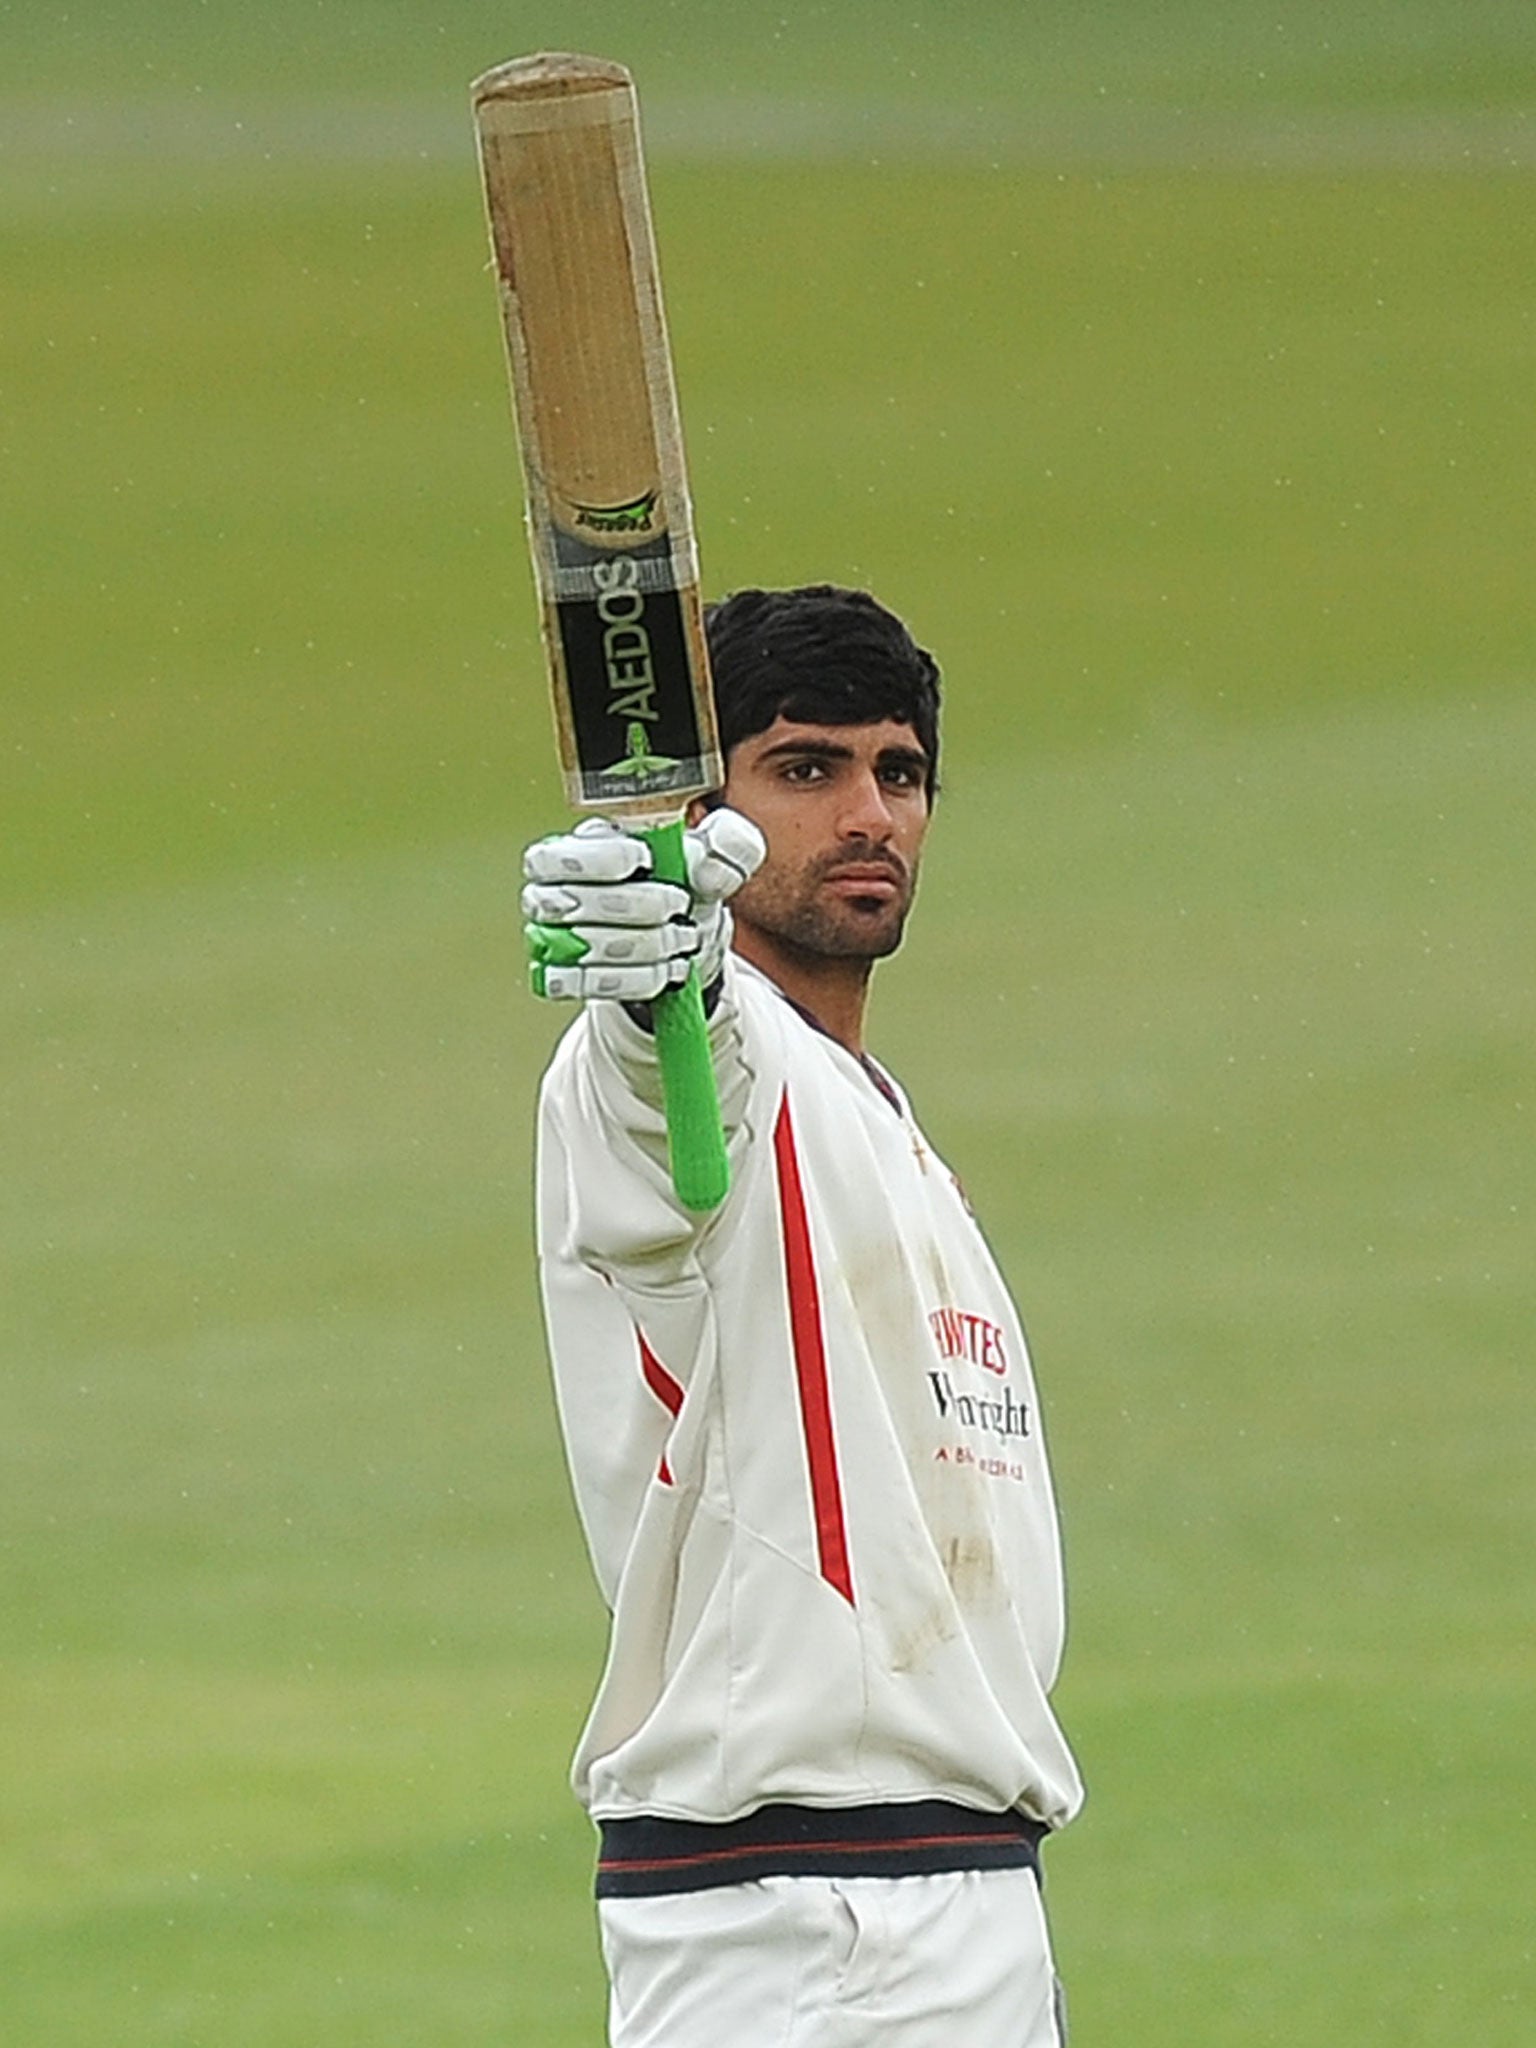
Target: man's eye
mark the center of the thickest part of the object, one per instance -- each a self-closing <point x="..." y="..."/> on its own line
<point x="804" y="771"/>
<point x="902" y="775"/>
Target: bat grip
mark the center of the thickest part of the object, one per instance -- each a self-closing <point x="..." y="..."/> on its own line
<point x="695" y="1137"/>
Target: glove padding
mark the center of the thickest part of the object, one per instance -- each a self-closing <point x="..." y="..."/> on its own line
<point x="599" y="926"/>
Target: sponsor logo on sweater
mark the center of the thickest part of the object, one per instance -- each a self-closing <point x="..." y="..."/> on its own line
<point x="987" y="1408"/>
<point x="1001" y="1413"/>
<point x="959" y="1334"/>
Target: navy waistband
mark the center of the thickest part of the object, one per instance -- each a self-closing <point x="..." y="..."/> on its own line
<point x="643" y="1856"/>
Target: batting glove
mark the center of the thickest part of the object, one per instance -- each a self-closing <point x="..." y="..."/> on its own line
<point x="600" y="926"/>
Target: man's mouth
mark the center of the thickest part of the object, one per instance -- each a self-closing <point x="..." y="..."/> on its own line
<point x="877" y="878"/>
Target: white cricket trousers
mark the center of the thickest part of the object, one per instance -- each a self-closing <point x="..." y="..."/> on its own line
<point x="958" y="1959"/>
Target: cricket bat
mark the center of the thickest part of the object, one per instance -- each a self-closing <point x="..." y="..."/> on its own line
<point x="610" y="526"/>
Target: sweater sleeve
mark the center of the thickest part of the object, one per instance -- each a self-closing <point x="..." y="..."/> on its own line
<point x="605" y="1133"/>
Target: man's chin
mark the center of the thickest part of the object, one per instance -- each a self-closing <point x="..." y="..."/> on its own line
<point x="852" y="933"/>
<point x="868" y="929"/>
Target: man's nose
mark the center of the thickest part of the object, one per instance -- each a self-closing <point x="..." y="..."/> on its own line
<point x="867" y="813"/>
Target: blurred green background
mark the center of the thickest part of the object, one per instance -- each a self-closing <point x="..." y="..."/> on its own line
<point x="1171" y="369"/>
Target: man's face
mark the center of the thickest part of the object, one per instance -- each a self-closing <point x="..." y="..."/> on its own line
<point x="844" y="809"/>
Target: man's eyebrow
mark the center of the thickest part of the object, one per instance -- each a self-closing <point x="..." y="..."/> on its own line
<point x="834" y="750"/>
<point x="821" y="750"/>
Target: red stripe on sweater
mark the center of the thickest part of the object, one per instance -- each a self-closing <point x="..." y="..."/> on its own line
<point x="811" y="1364"/>
<point x="666" y="1390"/>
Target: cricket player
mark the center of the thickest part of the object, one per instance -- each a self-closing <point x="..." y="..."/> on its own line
<point x="802" y="1430"/>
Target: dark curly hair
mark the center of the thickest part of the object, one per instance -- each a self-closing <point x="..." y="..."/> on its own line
<point x="823" y="655"/>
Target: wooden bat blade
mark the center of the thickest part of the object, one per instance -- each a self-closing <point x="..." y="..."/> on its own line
<point x="609" y="522"/>
<point x="610" y="525"/>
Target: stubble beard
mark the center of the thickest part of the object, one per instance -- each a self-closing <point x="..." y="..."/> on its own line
<point x="797" y="911"/>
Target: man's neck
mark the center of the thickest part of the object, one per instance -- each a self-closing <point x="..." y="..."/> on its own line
<point x="834" y="991"/>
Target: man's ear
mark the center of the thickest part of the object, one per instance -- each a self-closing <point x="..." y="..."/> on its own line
<point x="701" y="807"/>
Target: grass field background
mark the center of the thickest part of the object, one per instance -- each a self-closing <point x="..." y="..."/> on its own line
<point x="1171" y="370"/>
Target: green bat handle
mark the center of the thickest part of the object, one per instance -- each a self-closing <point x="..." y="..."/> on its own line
<point x="695" y="1138"/>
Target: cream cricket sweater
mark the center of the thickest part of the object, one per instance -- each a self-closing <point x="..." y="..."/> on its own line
<point x="804" y="1442"/>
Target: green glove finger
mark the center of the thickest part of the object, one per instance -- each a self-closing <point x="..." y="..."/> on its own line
<point x="551" y="945"/>
<point x="555" y="945"/>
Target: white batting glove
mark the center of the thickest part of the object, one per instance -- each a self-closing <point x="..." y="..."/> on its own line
<point x="599" y="925"/>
